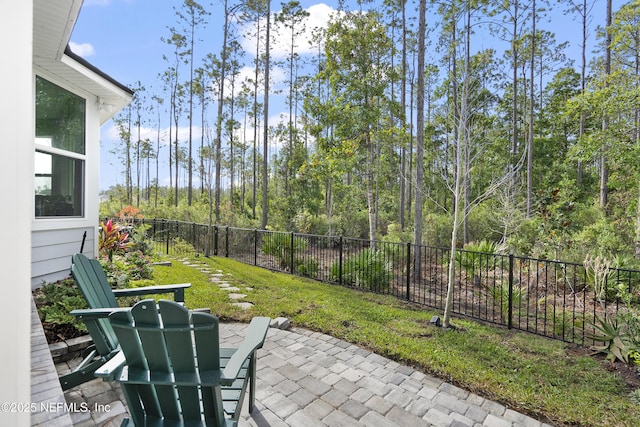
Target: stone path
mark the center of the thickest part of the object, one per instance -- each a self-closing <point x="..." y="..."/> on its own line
<point x="217" y="277"/>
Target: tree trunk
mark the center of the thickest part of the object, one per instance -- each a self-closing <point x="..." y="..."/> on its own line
<point x="223" y="72"/>
<point x="265" y="164"/>
<point x="531" y="120"/>
<point x="604" y="171"/>
<point x="419" y="186"/>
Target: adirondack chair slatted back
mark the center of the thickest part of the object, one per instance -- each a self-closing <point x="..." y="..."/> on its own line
<point x="175" y="350"/>
<point x="92" y="281"/>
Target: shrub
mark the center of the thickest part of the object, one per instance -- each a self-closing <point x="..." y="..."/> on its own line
<point x="474" y="255"/>
<point x="279" y="246"/>
<point x="437" y="230"/>
<point x="138" y="266"/>
<point x="609" y="238"/>
<point x="182" y="247"/>
<point x="112" y="239"/>
<point x="114" y="269"/>
<point x="122" y="269"/>
<point x="55" y="300"/>
<point x="366" y="269"/>
<point x="307" y="267"/>
<point x="141" y="241"/>
<point x="483" y="224"/>
<point x="500" y="295"/>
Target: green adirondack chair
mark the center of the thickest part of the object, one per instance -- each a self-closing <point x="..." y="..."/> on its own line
<point x="101" y="299"/>
<point x="172" y="370"/>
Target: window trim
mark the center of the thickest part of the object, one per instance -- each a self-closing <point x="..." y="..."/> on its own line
<point x="61" y="152"/>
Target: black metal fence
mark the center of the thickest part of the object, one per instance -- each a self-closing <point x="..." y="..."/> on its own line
<point x="555" y="299"/>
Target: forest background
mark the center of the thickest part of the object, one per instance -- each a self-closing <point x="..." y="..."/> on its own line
<point x="439" y="123"/>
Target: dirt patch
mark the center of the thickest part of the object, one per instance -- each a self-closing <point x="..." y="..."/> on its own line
<point x="60" y="332"/>
<point x="628" y="373"/>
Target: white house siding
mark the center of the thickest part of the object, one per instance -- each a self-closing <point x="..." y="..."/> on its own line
<point x="51" y="252"/>
<point x="16" y="182"/>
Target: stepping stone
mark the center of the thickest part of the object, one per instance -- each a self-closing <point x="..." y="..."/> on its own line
<point x="236" y="296"/>
<point x="280" y="323"/>
<point x="224" y="285"/>
<point x="243" y="305"/>
<point x="231" y="289"/>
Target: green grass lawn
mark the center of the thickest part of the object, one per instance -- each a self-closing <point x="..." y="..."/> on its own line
<point x="527" y="373"/>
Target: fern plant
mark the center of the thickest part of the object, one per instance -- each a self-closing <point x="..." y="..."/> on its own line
<point x="366" y="269"/>
<point x="57" y="299"/>
<point x="500" y="295"/>
<point x="474" y="255"/>
<point x="279" y="246"/>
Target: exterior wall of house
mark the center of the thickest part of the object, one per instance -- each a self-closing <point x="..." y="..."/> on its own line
<point x="16" y="179"/>
<point x="51" y="252"/>
<point x="55" y="240"/>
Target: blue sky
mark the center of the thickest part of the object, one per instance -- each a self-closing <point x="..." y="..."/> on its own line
<point x="123" y="39"/>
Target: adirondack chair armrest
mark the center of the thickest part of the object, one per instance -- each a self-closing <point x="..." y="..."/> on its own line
<point x="109" y="370"/>
<point x="96" y="313"/>
<point x="254" y="339"/>
<point x="176" y="289"/>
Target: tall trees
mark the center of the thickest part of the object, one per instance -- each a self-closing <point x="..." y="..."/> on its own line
<point x="192" y="15"/>
<point x="123" y="126"/>
<point x="583" y="10"/>
<point x="219" y="118"/>
<point x="357" y="72"/>
<point x="604" y="170"/>
<point x="265" y="123"/>
<point x="370" y="86"/>
<point x="139" y="105"/>
<point x="292" y="16"/>
<point x="171" y="80"/>
<point x="530" y="138"/>
<point x="158" y="103"/>
<point x="419" y="185"/>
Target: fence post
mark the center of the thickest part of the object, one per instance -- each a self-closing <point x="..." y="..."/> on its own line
<point x="226" y="241"/>
<point x="291" y="257"/>
<point x="255" y="246"/>
<point x="215" y="240"/>
<point x="167" y="233"/>
<point x="340" y="261"/>
<point x="510" y="310"/>
<point x="408" y="271"/>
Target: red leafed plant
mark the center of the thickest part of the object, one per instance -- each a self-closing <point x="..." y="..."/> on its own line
<point x="112" y="239"/>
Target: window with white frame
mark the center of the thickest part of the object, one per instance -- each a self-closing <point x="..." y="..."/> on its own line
<point x="60" y="151"/>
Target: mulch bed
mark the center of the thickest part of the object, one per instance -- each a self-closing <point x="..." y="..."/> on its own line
<point x="57" y="333"/>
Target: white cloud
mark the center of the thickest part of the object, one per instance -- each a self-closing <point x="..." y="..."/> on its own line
<point x="319" y="16"/>
<point x="110" y="134"/>
<point x="82" y="49"/>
